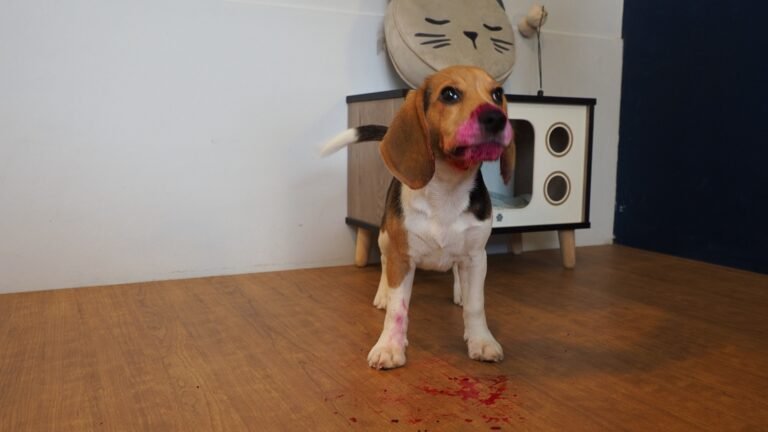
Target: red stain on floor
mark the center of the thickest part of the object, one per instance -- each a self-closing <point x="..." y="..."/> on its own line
<point x="480" y="400"/>
<point x="486" y="396"/>
<point x="485" y="391"/>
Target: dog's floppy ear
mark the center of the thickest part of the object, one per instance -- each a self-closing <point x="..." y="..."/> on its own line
<point x="507" y="160"/>
<point x="406" y="148"/>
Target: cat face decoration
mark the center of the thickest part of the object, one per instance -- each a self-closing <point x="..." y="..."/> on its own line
<point x="424" y="36"/>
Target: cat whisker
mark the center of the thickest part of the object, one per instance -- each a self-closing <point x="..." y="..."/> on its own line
<point x="500" y="47"/>
<point x="502" y="41"/>
<point x="441" y="45"/>
<point x="500" y="51"/>
<point x="429" y="35"/>
<point x="435" y="41"/>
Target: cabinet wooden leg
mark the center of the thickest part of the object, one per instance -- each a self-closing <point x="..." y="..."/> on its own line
<point x="362" y="246"/>
<point x="568" y="247"/>
<point x="515" y="243"/>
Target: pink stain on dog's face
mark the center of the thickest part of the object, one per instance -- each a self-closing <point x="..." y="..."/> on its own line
<point x="477" y="145"/>
<point x="507" y="135"/>
<point x="483" y="152"/>
<point x="470" y="132"/>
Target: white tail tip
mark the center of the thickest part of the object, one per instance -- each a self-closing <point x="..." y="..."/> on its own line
<point x="338" y="142"/>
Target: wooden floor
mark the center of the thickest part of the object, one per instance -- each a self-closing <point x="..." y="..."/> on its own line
<point x="629" y="340"/>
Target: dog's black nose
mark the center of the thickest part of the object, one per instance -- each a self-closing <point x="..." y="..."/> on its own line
<point x="492" y="121"/>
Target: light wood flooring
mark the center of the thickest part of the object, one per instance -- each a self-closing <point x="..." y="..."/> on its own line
<point x="629" y="340"/>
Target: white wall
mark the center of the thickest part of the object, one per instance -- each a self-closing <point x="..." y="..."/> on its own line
<point x="167" y="139"/>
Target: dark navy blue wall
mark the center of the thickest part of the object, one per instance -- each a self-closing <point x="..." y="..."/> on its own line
<point x="693" y="147"/>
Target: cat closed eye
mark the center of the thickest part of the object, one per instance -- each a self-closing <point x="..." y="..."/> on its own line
<point x="436" y="21"/>
<point x="493" y="28"/>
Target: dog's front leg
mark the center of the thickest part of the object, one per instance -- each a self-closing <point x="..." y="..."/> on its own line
<point x="389" y="351"/>
<point x="480" y="342"/>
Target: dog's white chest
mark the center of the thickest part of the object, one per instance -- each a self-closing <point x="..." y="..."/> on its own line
<point x="441" y="235"/>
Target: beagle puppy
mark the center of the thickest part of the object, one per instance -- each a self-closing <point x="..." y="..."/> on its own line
<point x="438" y="210"/>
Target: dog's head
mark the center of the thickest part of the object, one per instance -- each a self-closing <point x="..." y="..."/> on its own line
<point x="458" y="115"/>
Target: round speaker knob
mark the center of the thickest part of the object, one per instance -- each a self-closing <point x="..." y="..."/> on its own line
<point x="559" y="139"/>
<point x="557" y="187"/>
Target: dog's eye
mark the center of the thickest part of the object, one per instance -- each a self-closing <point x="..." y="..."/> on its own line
<point x="498" y="95"/>
<point x="450" y="95"/>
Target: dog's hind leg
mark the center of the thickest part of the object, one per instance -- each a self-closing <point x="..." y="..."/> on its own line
<point x="380" y="301"/>
<point x="456" y="286"/>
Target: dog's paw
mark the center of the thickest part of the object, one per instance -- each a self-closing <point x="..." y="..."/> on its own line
<point x="380" y="301"/>
<point x="386" y="356"/>
<point x="485" y="349"/>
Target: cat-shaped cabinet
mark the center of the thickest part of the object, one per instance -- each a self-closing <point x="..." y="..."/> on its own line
<point x="551" y="182"/>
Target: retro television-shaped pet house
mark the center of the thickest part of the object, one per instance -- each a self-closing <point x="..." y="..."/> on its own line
<point x="551" y="183"/>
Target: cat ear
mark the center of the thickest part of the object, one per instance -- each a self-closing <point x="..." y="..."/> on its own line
<point x="507" y="160"/>
<point x="501" y="3"/>
<point x="406" y="149"/>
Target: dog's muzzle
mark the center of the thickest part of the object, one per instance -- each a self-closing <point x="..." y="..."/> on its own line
<point x="482" y="137"/>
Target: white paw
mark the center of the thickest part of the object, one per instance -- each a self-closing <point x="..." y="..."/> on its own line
<point x="386" y="356"/>
<point x="485" y="349"/>
<point x="380" y="301"/>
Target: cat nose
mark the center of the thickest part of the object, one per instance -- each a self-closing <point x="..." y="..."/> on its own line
<point x="492" y="120"/>
<point x="471" y="35"/>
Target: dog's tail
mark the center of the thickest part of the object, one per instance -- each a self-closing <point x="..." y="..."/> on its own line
<point x="352" y="136"/>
